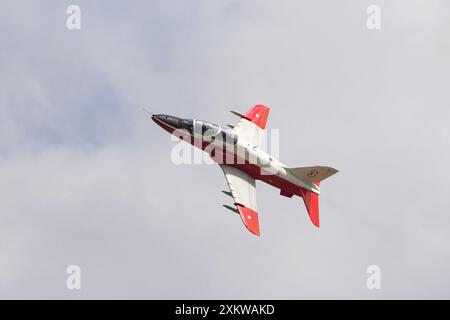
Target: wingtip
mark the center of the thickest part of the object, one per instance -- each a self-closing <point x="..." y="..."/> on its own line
<point x="250" y="219"/>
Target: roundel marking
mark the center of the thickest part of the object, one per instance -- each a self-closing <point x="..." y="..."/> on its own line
<point x="313" y="173"/>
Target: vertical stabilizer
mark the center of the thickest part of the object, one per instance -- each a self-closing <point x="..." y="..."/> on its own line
<point x="311" y="200"/>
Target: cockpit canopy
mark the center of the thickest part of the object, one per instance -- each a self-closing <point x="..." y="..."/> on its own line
<point x="206" y="130"/>
<point x="186" y="124"/>
<point x="211" y="131"/>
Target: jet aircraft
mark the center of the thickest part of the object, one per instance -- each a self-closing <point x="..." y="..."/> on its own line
<point x="237" y="151"/>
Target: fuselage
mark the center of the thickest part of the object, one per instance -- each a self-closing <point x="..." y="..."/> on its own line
<point x="227" y="148"/>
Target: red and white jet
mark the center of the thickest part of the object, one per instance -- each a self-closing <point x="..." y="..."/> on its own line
<point x="237" y="151"/>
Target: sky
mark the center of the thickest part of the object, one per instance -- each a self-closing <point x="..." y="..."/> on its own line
<point x="87" y="179"/>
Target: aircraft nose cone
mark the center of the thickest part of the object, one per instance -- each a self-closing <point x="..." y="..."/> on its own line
<point x="156" y="117"/>
<point x="171" y="121"/>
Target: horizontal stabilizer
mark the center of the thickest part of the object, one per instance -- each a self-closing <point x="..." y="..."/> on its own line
<point x="312" y="174"/>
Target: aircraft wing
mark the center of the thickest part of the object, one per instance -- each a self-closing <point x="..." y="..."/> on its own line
<point x="243" y="190"/>
<point x="251" y="126"/>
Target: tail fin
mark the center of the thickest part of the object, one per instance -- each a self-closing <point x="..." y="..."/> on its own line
<point x="312" y="174"/>
<point x="311" y="200"/>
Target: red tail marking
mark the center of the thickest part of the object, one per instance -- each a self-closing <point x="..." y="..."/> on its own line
<point x="258" y="115"/>
<point x="311" y="200"/>
<point x="250" y="218"/>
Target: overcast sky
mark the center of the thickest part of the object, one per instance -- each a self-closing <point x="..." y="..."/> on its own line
<point x="86" y="178"/>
